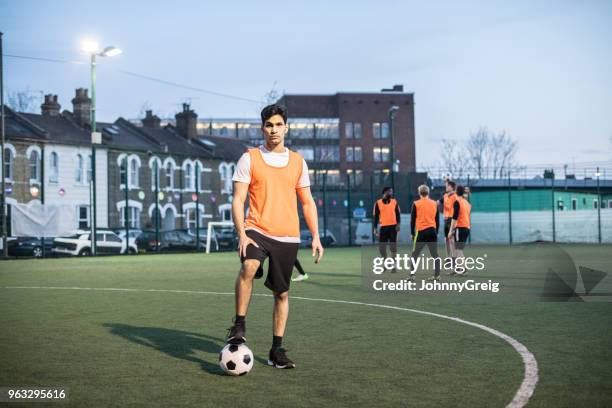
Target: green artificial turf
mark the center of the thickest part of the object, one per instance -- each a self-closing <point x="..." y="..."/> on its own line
<point x="155" y="348"/>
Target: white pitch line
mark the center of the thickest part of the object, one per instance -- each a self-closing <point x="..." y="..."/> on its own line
<point x="521" y="397"/>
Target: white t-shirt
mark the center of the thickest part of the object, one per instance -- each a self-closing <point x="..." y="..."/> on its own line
<point x="243" y="175"/>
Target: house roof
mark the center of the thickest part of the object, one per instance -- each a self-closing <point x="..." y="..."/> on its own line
<point x="225" y="148"/>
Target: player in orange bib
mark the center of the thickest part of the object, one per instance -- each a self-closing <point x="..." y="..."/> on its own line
<point x="387" y="212"/>
<point x="461" y="224"/>
<point x="424" y="224"/>
<point x="446" y="202"/>
<point x="274" y="178"/>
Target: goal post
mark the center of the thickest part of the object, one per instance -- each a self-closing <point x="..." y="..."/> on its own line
<point x="211" y="225"/>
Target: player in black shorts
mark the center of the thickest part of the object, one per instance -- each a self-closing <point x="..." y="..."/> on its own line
<point x="386" y="212"/>
<point x="460" y="225"/>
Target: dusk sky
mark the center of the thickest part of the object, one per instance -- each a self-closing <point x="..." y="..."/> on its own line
<point x="542" y="71"/>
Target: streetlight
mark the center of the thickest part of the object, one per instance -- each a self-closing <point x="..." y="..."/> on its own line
<point x="597" y="174"/>
<point x="93" y="49"/>
<point x="394" y="167"/>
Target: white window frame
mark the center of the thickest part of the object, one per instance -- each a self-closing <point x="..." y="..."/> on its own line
<point x="133" y="170"/>
<point x="8" y="165"/>
<point x="34" y="150"/>
<point x="87" y="219"/>
<point x="54" y="167"/>
<point x="78" y="174"/>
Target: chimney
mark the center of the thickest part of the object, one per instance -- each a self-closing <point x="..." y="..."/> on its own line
<point x="151" y="121"/>
<point x="81" y="107"/>
<point x="50" y="107"/>
<point x="187" y="121"/>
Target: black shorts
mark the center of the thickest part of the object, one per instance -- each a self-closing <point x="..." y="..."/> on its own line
<point x="282" y="258"/>
<point x="461" y="237"/>
<point x="447" y="224"/>
<point x="427" y="235"/>
<point x="388" y="233"/>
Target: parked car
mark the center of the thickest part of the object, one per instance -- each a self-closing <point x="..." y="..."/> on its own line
<point x="227" y="240"/>
<point x="30" y="246"/>
<point x="169" y="241"/>
<point x="203" y="234"/>
<point x="79" y="243"/>
<point x="326" y="239"/>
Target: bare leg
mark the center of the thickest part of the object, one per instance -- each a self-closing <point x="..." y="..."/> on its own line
<point x="281" y="312"/>
<point x="244" y="285"/>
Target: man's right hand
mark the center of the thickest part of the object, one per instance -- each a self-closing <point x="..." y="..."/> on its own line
<point x="244" y="242"/>
<point x="375" y="232"/>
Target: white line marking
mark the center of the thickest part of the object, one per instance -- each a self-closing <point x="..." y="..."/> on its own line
<point x="525" y="391"/>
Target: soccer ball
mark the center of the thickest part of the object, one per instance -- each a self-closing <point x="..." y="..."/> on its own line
<point x="236" y="359"/>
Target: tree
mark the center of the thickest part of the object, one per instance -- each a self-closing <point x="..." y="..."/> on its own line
<point x="23" y="101"/>
<point x="477" y="149"/>
<point x="483" y="155"/>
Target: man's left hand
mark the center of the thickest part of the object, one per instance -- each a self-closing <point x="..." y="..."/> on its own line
<point x="317" y="249"/>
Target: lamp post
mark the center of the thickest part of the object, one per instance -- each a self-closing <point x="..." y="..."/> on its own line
<point x="2" y="175"/>
<point x="394" y="167"/>
<point x="92" y="48"/>
<point x="597" y="174"/>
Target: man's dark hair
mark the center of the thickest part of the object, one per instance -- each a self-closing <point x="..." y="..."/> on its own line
<point x="460" y="190"/>
<point x="451" y="183"/>
<point x="271" y="110"/>
<point x="385" y="189"/>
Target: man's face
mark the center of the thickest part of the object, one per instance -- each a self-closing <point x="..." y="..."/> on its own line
<point x="389" y="193"/>
<point x="274" y="130"/>
<point x="449" y="188"/>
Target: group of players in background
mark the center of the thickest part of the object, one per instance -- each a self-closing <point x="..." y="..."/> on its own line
<point x="424" y="224"/>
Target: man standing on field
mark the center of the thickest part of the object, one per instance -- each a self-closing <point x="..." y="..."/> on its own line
<point x="272" y="175"/>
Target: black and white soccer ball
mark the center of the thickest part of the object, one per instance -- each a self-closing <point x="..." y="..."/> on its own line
<point x="236" y="359"/>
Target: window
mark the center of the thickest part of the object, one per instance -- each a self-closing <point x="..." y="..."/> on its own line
<point x="595" y="203"/>
<point x="306" y="152"/>
<point x="8" y="164"/>
<point x="112" y="238"/>
<point x="78" y="172"/>
<point x="133" y="217"/>
<point x="188" y="177"/>
<point x="384" y="130"/>
<point x="560" y="205"/>
<point x="380" y="130"/>
<point x="355" y="177"/>
<point x="169" y="175"/>
<point x="381" y="154"/>
<point x="574" y="203"/>
<point x="34" y="166"/>
<point x="352" y="130"/>
<point x="328" y="154"/>
<point x="609" y="203"/>
<point x="122" y="174"/>
<point x="299" y="130"/>
<point x="348" y="130"/>
<point x="133" y="179"/>
<point x="333" y="177"/>
<point x="54" y="168"/>
<point x="83" y="214"/>
<point x="357" y="130"/>
<point x="191" y="219"/>
<point x="327" y="130"/>
<point x="357" y="154"/>
<point x="349" y="154"/>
